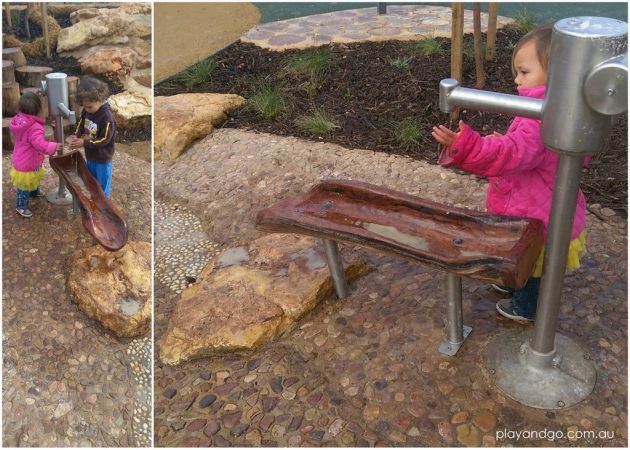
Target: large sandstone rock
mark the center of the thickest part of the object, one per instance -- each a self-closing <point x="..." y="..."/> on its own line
<point x="132" y="108"/>
<point x="114" y="287"/>
<point x="105" y="26"/>
<point x="181" y="119"/>
<point x="108" y="62"/>
<point x="249" y="295"/>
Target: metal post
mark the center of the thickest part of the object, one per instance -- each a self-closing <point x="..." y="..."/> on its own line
<point x="455" y="331"/>
<point x="586" y="85"/>
<point x="335" y="265"/>
<point x="565" y="193"/>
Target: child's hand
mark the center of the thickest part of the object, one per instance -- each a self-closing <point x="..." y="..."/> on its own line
<point x="445" y="136"/>
<point x="59" y="147"/>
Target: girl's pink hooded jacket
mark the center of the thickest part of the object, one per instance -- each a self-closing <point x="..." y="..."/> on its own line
<point x="521" y="170"/>
<point x="30" y="145"/>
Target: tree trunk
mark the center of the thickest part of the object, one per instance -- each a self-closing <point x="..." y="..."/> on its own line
<point x="73" y="99"/>
<point x="9" y="19"/>
<point x="14" y="54"/>
<point x="31" y="76"/>
<point x="8" y="71"/>
<point x="10" y="98"/>
<point x="491" y="38"/>
<point x="480" y="75"/>
<point x="45" y="29"/>
<point x="457" y="44"/>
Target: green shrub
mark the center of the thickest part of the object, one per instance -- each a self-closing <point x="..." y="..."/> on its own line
<point x="319" y="122"/>
<point x="311" y="67"/>
<point x="409" y="131"/>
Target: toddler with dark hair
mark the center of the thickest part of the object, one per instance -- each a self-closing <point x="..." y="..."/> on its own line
<point x="96" y="130"/>
<point x="31" y="146"/>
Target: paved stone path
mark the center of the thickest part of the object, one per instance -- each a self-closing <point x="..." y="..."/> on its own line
<point x="68" y="382"/>
<point x="365" y="371"/>
<point x="356" y="25"/>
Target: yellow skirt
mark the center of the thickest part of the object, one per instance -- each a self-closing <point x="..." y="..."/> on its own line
<point x="577" y="249"/>
<point x="27" y="181"/>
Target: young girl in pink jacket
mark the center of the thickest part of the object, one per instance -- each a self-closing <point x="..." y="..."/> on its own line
<point x="521" y="170"/>
<point x="29" y="151"/>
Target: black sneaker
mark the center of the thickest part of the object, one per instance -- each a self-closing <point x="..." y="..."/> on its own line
<point x="506" y="309"/>
<point x="24" y="212"/>
<point x="37" y="193"/>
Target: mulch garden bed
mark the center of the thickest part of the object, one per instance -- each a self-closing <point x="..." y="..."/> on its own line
<point x="369" y="97"/>
<point x="68" y="65"/>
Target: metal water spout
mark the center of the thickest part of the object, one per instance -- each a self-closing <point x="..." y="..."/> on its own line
<point x="55" y="87"/>
<point x="586" y="87"/>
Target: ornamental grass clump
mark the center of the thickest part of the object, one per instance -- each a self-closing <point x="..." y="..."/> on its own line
<point x="268" y="100"/>
<point x="318" y="122"/>
<point x="199" y="73"/>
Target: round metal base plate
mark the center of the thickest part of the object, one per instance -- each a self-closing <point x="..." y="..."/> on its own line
<point x="559" y="386"/>
<point x="60" y="200"/>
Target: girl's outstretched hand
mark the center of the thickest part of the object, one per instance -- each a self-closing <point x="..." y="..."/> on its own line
<point x="59" y="147"/>
<point x="445" y="136"/>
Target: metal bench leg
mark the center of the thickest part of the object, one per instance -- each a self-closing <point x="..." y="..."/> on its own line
<point x="335" y="265"/>
<point x="456" y="331"/>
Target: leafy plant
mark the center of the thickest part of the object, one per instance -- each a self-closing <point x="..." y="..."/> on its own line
<point x="524" y="22"/>
<point x="268" y="100"/>
<point x="319" y="122"/>
<point x="409" y="131"/>
<point x="197" y="74"/>
<point x="402" y="62"/>
<point x="429" y="46"/>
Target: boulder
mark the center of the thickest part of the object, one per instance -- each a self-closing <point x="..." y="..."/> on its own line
<point x="104" y="26"/>
<point x="132" y="108"/>
<point x="108" y="62"/>
<point x="181" y="119"/>
<point x="249" y="295"/>
<point x="114" y="288"/>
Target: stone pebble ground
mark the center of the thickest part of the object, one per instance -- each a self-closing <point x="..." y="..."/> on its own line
<point x="364" y="371"/>
<point x="67" y="381"/>
<point x="357" y="25"/>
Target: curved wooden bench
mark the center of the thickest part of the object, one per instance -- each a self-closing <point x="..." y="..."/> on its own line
<point x="461" y="242"/>
<point x="98" y="214"/>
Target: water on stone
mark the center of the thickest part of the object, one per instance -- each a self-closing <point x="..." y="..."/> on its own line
<point x="129" y="306"/>
<point x="233" y="256"/>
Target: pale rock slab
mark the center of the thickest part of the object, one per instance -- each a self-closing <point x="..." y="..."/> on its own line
<point x="181" y="119"/>
<point x="114" y="288"/>
<point x="250" y="295"/>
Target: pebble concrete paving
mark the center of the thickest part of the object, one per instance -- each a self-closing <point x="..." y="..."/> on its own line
<point x="365" y="371"/>
<point x="67" y="381"/>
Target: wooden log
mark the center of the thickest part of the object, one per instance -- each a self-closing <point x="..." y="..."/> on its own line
<point x="31" y="76"/>
<point x="491" y="37"/>
<point x="43" y="98"/>
<point x="457" y="46"/>
<point x="8" y="71"/>
<point x="14" y="54"/>
<point x="10" y="98"/>
<point x="480" y="75"/>
<point x="7" y="137"/>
